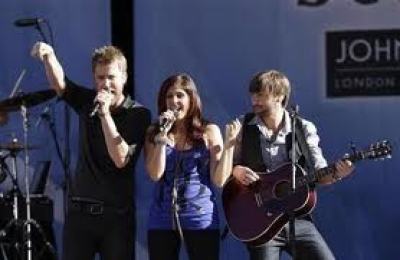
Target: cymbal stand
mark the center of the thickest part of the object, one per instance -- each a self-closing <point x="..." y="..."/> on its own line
<point x="15" y="189"/>
<point x="24" y="113"/>
<point x="29" y="221"/>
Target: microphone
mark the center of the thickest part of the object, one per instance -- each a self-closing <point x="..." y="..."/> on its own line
<point x="28" y="22"/>
<point x="97" y="104"/>
<point x="95" y="109"/>
<point x="166" y="123"/>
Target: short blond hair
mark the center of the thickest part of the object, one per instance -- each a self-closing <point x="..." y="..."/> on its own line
<point x="108" y="54"/>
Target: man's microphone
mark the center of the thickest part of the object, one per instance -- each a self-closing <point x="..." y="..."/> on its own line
<point x="165" y="122"/>
<point x="28" y="22"/>
<point x="97" y="104"/>
<point x="95" y="109"/>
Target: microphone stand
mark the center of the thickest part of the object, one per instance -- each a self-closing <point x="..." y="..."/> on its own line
<point x="64" y="161"/>
<point x="67" y="158"/>
<point x="292" y="230"/>
<point x="39" y="29"/>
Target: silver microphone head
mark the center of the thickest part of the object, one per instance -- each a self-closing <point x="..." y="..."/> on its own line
<point x="96" y="102"/>
<point x="166" y="123"/>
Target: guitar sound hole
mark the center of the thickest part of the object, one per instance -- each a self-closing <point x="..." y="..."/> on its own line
<point x="282" y="190"/>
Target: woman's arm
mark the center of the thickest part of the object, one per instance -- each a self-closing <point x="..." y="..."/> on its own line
<point x="155" y="154"/>
<point x="222" y="155"/>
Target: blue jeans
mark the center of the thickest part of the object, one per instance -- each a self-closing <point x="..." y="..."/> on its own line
<point x="310" y="245"/>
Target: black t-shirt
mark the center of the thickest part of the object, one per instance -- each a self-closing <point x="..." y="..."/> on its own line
<point x="96" y="176"/>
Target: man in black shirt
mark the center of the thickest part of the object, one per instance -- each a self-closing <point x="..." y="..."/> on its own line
<point x="111" y="134"/>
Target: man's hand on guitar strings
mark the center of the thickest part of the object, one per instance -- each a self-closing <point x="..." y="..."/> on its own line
<point x="244" y="175"/>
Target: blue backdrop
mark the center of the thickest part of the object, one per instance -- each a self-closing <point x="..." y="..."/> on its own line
<point x="222" y="44"/>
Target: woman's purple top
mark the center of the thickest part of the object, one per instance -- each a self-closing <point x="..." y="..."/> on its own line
<point x="196" y="200"/>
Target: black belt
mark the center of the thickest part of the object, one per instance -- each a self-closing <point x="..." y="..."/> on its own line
<point x="93" y="207"/>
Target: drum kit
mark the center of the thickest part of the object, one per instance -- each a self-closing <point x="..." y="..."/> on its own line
<point x="19" y="227"/>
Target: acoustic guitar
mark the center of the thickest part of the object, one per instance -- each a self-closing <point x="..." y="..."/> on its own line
<point x="256" y="213"/>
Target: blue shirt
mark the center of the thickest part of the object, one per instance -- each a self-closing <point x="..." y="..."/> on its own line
<point x="196" y="201"/>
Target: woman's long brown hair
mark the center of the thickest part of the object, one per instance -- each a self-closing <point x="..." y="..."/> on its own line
<point x="194" y="122"/>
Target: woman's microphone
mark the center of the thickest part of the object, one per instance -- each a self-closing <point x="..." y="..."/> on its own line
<point x="167" y="122"/>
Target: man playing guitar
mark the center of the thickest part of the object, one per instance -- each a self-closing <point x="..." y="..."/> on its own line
<point x="259" y="144"/>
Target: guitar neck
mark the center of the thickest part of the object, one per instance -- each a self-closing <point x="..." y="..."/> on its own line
<point x="322" y="173"/>
<point x="314" y="177"/>
<point x="319" y="174"/>
<point x="379" y="150"/>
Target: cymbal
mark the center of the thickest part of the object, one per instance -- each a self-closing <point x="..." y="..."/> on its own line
<point x="28" y="99"/>
<point x="16" y="147"/>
